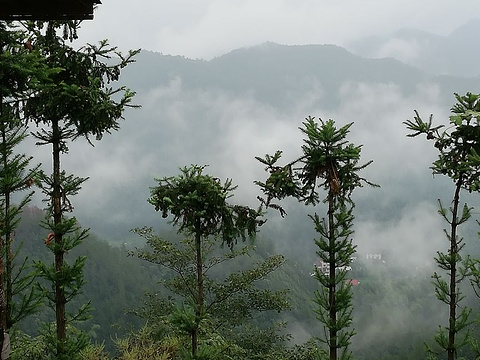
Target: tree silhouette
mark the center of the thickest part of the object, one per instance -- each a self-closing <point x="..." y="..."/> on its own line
<point x="21" y="75"/>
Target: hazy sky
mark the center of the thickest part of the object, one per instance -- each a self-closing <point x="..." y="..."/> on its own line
<point x="209" y="28"/>
<point x="231" y="129"/>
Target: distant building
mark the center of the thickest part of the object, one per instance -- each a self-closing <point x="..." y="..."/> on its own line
<point x="324" y="267"/>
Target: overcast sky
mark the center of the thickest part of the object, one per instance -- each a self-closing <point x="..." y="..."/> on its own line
<point x="127" y="162"/>
<point x="209" y="28"/>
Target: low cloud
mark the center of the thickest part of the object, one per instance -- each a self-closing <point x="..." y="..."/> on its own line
<point x="409" y="240"/>
<point x="404" y="50"/>
<point x="179" y="125"/>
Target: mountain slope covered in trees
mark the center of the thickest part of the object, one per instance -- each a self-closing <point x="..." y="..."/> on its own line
<point x="394" y="309"/>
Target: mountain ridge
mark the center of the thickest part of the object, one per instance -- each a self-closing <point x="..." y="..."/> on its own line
<point x="268" y="69"/>
<point x="453" y="54"/>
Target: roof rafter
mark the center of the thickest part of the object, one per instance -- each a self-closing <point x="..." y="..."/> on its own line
<point x="47" y="9"/>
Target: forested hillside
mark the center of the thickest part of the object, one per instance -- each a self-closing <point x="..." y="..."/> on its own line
<point x="395" y="309"/>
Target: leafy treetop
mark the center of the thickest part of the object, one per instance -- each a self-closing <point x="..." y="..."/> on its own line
<point x="82" y="96"/>
<point x="198" y="203"/>
<point x="459" y="144"/>
<point x="328" y="161"/>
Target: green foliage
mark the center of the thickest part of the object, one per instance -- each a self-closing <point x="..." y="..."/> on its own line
<point x="14" y="178"/>
<point x="329" y="162"/>
<point x="94" y="352"/>
<point x="458" y="158"/>
<point x="82" y="96"/>
<point x="230" y="300"/>
<point x="69" y="348"/>
<point x="329" y="157"/>
<point x="21" y="74"/>
<point x="198" y="204"/>
<point x="25" y="347"/>
<point x="458" y="145"/>
<point x="326" y="159"/>
<point x="77" y="101"/>
<point x="44" y="346"/>
<point x="144" y="344"/>
<point x="394" y="310"/>
<point x="114" y="283"/>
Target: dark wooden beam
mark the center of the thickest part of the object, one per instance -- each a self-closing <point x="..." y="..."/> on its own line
<point x="47" y="9"/>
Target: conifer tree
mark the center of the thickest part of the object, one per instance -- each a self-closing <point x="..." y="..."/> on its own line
<point x="198" y="205"/>
<point x="230" y="301"/>
<point x="458" y="158"/>
<point x="79" y="103"/>
<point x="329" y="162"/>
<point x="21" y="73"/>
<point x="14" y="177"/>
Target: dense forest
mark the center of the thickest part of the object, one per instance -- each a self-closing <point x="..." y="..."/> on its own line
<point x="209" y="280"/>
<point x="395" y="309"/>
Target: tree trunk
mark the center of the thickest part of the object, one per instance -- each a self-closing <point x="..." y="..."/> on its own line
<point x="60" y="301"/>
<point x="332" y="288"/>
<point x="200" y="300"/>
<point x="453" y="274"/>
<point x="3" y="241"/>
<point x="6" y="265"/>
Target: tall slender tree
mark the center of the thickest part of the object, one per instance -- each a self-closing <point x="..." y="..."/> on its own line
<point x="230" y="301"/>
<point x="198" y="204"/>
<point x="458" y="158"/>
<point x="80" y="103"/>
<point x="21" y="73"/>
<point x="329" y="162"/>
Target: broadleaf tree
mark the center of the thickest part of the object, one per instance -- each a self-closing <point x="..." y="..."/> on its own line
<point x="330" y="163"/>
<point x="458" y="148"/>
<point x="80" y="102"/>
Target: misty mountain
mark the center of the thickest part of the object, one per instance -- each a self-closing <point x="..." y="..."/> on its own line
<point x="454" y="54"/>
<point x="276" y="74"/>
<point x="250" y="102"/>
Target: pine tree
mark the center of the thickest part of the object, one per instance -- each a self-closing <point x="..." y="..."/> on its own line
<point x="79" y="103"/>
<point x="328" y="162"/>
<point x="458" y="158"/>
